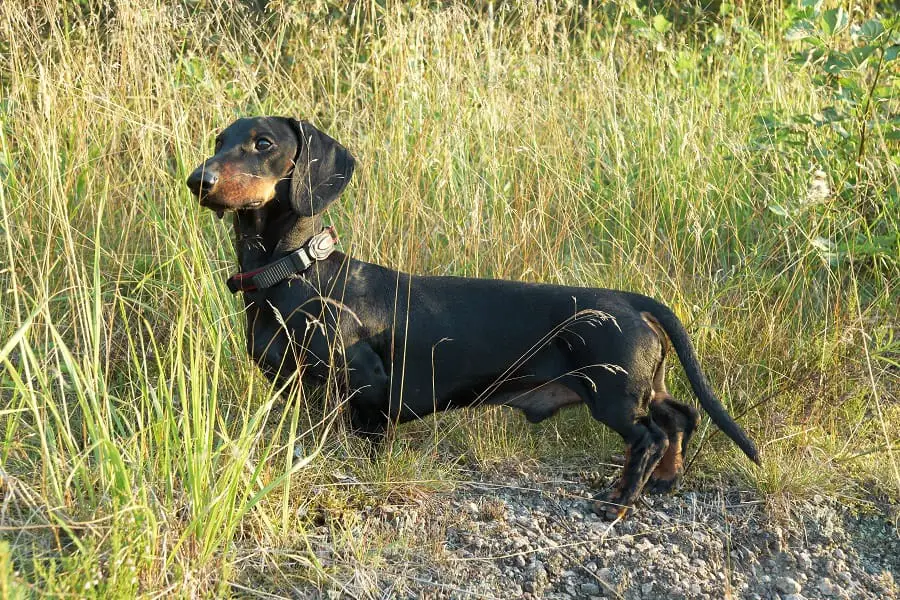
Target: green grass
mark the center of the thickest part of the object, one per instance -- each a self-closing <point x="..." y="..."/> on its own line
<point x="143" y="454"/>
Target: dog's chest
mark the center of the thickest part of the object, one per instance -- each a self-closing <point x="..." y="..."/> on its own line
<point x="286" y="336"/>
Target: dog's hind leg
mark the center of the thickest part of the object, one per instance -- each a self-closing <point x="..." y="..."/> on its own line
<point x="679" y="421"/>
<point x="692" y="421"/>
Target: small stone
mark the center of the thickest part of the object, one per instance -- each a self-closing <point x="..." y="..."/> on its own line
<point x="805" y="560"/>
<point x="590" y="589"/>
<point x="839" y="554"/>
<point x="472" y="508"/>
<point x="696" y="590"/>
<point x="647" y="588"/>
<point x="520" y="561"/>
<point x="827" y="588"/>
<point x="787" y="585"/>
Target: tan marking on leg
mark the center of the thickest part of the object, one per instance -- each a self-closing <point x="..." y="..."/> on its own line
<point x="660" y="396"/>
<point x="658" y="329"/>
<point x="670" y="465"/>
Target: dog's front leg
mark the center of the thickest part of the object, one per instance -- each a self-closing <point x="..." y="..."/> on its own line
<point x="368" y="389"/>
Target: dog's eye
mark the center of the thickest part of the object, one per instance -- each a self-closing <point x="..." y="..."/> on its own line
<point x="263" y="144"/>
<point x="218" y="145"/>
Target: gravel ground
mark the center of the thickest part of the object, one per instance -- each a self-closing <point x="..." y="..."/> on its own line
<point x="532" y="535"/>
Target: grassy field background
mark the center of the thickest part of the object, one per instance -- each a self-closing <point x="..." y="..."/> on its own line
<point x="599" y="144"/>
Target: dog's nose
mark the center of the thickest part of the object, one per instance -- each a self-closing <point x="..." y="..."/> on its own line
<point x="202" y="181"/>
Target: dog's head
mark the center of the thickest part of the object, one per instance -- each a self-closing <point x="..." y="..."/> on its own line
<point x="265" y="159"/>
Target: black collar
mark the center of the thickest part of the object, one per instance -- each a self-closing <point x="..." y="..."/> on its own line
<point x="318" y="247"/>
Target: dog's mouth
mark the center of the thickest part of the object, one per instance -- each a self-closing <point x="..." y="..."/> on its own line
<point x="220" y="209"/>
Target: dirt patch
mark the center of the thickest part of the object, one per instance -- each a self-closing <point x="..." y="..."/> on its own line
<point x="532" y="535"/>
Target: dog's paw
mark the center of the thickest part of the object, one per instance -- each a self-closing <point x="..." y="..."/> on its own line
<point x="610" y="508"/>
<point x="660" y="486"/>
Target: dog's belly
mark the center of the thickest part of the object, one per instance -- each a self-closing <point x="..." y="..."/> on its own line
<point x="539" y="403"/>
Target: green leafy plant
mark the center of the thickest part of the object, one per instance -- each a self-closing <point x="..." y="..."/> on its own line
<point x="853" y="67"/>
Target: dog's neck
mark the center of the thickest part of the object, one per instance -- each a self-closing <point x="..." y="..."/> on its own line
<point x="268" y="233"/>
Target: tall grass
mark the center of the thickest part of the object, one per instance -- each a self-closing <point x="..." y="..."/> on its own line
<point x="142" y="454"/>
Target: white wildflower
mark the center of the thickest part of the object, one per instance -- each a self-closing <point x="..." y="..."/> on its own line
<point x="818" y="190"/>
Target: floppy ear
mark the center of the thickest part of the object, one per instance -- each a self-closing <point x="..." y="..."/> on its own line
<point x="322" y="170"/>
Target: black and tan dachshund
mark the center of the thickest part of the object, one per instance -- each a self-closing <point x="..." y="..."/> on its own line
<point x="404" y="346"/>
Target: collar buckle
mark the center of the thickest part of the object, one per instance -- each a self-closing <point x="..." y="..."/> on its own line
<point x="321" y="245"/>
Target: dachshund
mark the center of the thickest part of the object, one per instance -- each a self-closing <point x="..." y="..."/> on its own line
<point x="402" y="346"/>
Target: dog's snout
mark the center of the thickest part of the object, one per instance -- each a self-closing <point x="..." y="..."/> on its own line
<point x="202" y="180"/>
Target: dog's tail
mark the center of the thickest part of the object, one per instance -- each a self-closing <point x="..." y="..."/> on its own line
<point x="679" y="338"/>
